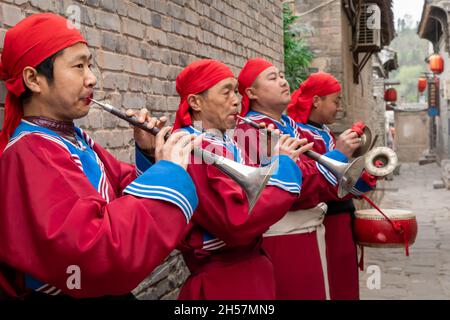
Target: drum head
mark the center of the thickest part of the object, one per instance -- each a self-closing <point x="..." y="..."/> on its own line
<point x="394" y="214"/>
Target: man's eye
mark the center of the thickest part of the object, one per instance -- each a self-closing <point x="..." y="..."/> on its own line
<point x="80" y="66"/>
<point x="91" y="66"/>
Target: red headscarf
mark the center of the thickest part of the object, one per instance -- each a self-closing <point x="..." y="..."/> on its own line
<point x="247" y="76"/>
<point x="28" y="43"/>
<point x="318" y="84"/>
<point x="197" y="77"/>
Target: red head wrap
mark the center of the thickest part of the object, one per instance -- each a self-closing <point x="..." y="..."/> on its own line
<point x="28" y="43"/>
<point x="197" y="77"/>
<point x="247" y="76"/>
<point x="318" y="84"/>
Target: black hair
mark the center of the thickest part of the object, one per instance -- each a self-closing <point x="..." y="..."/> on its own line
<point x="45" y="68"/>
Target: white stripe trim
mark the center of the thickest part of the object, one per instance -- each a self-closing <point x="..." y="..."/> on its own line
<point x="216" y="247"/>
<point x="286" y="183"/>
<point x="56" y="292"/>
<point x="281" y="186"/>
<point x="186" y="214"/>
<point x="185" y="200"/>
<point x="42" y="287"/>
<point x="188" y="208"/>
<point x="329" y="176"/>
<point x="49" y="290"/>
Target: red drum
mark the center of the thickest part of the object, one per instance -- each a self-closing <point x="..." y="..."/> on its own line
<point x="373" y="230"/>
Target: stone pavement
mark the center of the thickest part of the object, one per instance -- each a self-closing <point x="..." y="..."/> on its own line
<point x="425" y="274"/>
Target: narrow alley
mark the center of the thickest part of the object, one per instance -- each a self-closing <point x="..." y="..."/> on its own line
<point x="425" y="274"/>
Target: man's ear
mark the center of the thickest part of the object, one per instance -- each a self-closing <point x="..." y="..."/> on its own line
<point x="31" y="79"/>
<point x="251" y="93"/>
<point x="194" y="102"/>
<point x="316" y="101"/>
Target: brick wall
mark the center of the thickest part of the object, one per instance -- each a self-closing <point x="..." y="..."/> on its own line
<point x="139" y="47"/>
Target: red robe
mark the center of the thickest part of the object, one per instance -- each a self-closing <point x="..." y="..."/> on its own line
<point x="222" y="247"/>
<point x="302" y="275"/>
<point x="341" y="246"/>
<point x="51" y="217"/>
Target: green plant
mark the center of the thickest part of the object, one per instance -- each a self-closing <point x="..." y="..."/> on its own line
<point x="297" y="55"/>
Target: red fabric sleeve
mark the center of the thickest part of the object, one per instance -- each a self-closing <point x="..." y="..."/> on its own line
<point x="51" y="217"/>
<point x="223" y="206"/>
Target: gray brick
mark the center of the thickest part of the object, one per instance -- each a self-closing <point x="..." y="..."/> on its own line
<point x="115" y="99"/>
<point x="158" y="103"/>
<point x="134" y="11"/>
<point x="117" y="81"/>
<point x="156" y="36"/>
<point x="95" y="119"/>
<point x="166" y="24"/>
<point x="92" y="36"/>
<point x="107" y="21"/>
<point x="156" y="20"/>
<point x="44" y="5"/>
<point x="10" y="15"/>
<point x="110" y="61"/>
<point x="172" y="103"/>
<point x="122" y="8"/>
<point x="134" y="47"/>
<point x="110" y="40"/>
<point x="165" y="56"/>
<point x="136" y="66"/>
<point x="133" y="28"/>
<point x="175" y="11"/>
<point x="93" y="3"/>
<point x="136" y="84"/>
<point x="146" y="16"/>
<point x="109" y="5"/>
<point x="169" y="88"/>
<point x="134" y="100"/>
<point x="191" y="17"/>
<point x="160" y="6"/>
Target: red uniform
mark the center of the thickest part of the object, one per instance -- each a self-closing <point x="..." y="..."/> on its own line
<point x="65" y="224"/>
<point x="61" y="205"/>
<point x="300" y="274"/>
<point x="222" y="247"/>
<point x="341" y="248"/>
<point x="223" y="244"/>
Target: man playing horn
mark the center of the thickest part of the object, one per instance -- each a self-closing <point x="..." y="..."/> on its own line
<point x="313" y="106"/>
<point x="296" y="244"/>
<point x="222" y="248"/>
<point x="75" y="221"/>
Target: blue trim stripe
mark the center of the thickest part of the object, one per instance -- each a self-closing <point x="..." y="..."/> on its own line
<point x="166" y="181"/>
<point x="288" y="177"/>
<point x="163" y="193"/>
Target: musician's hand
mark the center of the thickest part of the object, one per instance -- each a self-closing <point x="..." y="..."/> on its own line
<point x="348" y="142"/>
<point x="272" y="135"/>
<point x="292" y="147"/>
<point x="177" y="148"/>
<point x="145" y="140"/>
